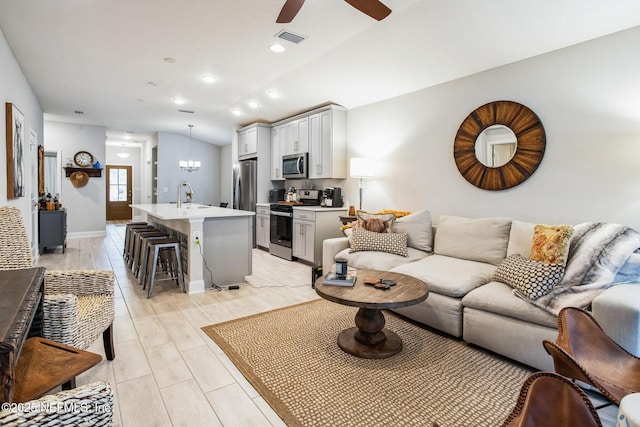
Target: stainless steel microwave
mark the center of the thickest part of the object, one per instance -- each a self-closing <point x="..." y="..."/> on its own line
<point x="295" y="166"/>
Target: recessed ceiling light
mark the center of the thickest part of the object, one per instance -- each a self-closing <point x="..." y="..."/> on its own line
<point x="277" y="48"/>
<point x="127" y="136"/>
<point x="253" y="104"/>
<point x="178" y="101"/>
<point x="236" y="111"/>
<point x="273" y="94"/>
<point x="208" y="78"/>
<point x="169" y="60"/>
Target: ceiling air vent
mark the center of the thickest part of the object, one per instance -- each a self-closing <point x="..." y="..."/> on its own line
<point x="187" y="111"/>
<point x="289" y="36"/>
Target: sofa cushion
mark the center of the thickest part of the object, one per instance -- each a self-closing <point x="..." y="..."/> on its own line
<point x="520" y="238"/>
<point x="364" y="240"/>
<point x="532" y="279"/>
<point x="449" y="276"/>
<point x="497" y="297"/>
<point x="551" y="243"/>
<point x="373" y="260"/>
<point x="419" y="228"/>
<point x="482" y="239"/>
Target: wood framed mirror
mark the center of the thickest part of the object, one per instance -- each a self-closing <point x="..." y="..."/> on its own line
<point x="529" y="145"/>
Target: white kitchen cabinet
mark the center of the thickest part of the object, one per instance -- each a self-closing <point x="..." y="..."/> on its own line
<point x="250" y="138"/>
<point x="278" y="141"/>
<point x="262" y="227"/>
<point x="311" y="226"/>
<point x="297" y="136"/>
<point x="328" y="144"/>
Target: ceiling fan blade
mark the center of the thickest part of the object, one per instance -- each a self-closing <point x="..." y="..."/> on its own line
<point x="289" y="11"/>
<point x="373" y="8"/>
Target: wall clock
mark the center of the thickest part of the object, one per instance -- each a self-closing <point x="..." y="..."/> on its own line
<point x="83" y="159"/>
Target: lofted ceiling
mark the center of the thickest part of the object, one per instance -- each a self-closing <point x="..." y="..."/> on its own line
<point x="122" y="63"/>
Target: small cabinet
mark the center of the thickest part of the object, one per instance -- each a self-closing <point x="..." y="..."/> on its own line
<point x="52" y="229"/>
<point x="250" y="138"/>
<point x="277" y="151"/>
<point x="311" y="227"/>
<point x="262" y="226"/>
<point x="297" y="136"/>
<point x="303" y="239"/>
<point x="328" y="144"/>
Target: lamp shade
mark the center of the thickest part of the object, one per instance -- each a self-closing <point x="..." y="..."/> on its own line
<point x="361" y="168"/>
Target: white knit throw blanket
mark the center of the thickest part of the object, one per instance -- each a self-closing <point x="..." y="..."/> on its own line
<point x="596" y="253"/>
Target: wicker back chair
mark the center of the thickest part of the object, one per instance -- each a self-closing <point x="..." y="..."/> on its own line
<point x="78" y="304"/>
<point x="88" y="405"/>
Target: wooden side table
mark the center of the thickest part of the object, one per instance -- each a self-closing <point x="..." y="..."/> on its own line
<point x="45" y="365"/>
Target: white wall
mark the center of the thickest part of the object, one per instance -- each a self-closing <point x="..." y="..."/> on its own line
<point x="588" y="98"/>
<point x="14" y="88"/>
<point x="205" y="182"/>
<point x="86" y="206"/>
<point x="226" y="175"/>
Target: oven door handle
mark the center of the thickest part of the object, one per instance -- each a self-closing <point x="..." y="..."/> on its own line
<point x="287" y="214"/>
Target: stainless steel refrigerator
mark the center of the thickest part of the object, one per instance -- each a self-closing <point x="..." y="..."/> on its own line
<point x="245" y="188"/>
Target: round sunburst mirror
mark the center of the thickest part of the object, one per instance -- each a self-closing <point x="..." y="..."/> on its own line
<point x="495" y="163"/>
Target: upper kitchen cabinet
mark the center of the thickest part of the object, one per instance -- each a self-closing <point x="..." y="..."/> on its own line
<point x="297" y="136"/>
<point x="328" y="143"/>
<point x="252" y="139"/>
<point x="278" y="142"/>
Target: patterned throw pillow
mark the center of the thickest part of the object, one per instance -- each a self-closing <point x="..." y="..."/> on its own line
<point x="551" y="243"/>
<point x="533" y="279"/>
<point x="363" y="240"/>
<point x="387" y="221"/>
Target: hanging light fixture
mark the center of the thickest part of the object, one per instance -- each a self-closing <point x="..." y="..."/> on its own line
<point x="122" y="154"/>
<point x="189" y="165"/>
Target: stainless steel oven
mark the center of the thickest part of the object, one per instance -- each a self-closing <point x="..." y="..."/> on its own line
<point x="281" y="231"/>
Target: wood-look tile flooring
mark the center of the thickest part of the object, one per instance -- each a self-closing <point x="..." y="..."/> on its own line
<point x="167" y="371"/>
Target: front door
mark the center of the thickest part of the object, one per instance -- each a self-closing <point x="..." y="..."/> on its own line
<point x="119" y="192"/>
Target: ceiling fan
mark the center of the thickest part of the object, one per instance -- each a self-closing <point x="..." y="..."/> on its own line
<point x="373" y="8"/>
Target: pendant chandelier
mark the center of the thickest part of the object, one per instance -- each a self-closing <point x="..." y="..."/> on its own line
<point x="189" y="165"/>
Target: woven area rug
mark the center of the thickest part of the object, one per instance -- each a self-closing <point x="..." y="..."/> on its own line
<point x="291" y="357"/>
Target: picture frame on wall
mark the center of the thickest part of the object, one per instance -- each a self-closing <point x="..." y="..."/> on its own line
<point x="15" y="152"/>
<point x="40" y="170"/>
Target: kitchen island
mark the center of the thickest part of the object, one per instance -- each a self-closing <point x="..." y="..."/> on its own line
<point x="217" y="241"/>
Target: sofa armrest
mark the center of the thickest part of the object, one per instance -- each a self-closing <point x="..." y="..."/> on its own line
<point x="79" y="282"/>
<point x="617" y="310"/>
<point x="330" y="248"/>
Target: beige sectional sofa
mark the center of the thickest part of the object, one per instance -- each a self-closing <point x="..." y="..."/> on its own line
<point x="458" y="259"/>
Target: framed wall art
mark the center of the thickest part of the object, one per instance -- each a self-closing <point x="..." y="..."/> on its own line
<point x="15" y="152"/>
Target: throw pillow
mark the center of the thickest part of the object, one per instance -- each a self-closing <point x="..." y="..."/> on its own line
<point x="551" y="243"/>
<point x="532" y="279"/>
<point x="364" y="240"/>
<point x="418" y="226"/>
<point x="387" y="219"/>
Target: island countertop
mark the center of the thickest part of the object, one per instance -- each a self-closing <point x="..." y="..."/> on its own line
<point x="189" y="211"/>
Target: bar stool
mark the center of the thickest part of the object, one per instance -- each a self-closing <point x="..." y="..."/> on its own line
<point x="143" y="254"/>
<point x="127" y="237"/>
<point x="167" y="253"/>
<point x="132" y="241"/>
<point x="139" y="246"/>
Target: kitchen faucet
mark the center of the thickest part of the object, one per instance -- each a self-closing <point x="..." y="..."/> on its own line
<point x="189" y="193"/>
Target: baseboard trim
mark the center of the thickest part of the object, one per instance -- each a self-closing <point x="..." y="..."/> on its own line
<point x="81" y="234"/>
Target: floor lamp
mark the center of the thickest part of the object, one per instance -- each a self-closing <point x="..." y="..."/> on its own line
<point x="361" y="168"/>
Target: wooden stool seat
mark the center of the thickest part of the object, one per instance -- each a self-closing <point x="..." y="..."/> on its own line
<point x="44" y="365"/>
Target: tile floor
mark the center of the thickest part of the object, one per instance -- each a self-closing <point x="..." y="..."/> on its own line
<point x="167" y="372"/>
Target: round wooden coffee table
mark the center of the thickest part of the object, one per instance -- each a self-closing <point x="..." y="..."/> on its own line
<point x="369" y="339"/>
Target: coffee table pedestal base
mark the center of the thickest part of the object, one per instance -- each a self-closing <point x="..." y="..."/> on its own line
<point x="369" y="339"/>
<point x="392" y="344"/>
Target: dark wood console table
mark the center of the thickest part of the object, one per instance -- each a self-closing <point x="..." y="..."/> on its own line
<point x="21" y="296"/>
<point x="30" y="365"/>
